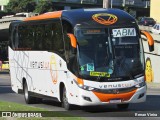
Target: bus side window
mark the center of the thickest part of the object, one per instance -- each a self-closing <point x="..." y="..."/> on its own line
<point x="39" y="36"/>
<point x="48" y="41"/>
<point x="22" y="36"/>
<point x="58" y="38"/>
<point x="67" y="29"/>
<point x="13" y="33"/>
<point x="25" y="37"/>
<point x="16" y="38"/>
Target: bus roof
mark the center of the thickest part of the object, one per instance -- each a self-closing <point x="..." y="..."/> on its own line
<point x="95" y="16"/>
<point x="44" y="16"/>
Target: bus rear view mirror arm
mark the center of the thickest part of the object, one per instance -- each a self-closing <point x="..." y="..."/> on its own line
<point x="149" y="39"/>
<point x="73" y="42"/>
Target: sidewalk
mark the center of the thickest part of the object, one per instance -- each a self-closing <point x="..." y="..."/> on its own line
<point x="153" y="86"/>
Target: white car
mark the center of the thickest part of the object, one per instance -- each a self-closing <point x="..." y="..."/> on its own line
<point x="156" y="29"/>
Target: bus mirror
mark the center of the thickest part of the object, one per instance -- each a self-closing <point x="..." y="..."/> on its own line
<point x="149" y="39"/>
<point x="73" y="40"/>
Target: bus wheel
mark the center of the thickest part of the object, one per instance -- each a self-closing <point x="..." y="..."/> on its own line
<point x="123" y="106"/>
<point x="65" y="103"/>
<point x="27" y="97"/>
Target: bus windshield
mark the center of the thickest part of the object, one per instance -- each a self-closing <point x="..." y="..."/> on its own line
<point x="113" y="54"/>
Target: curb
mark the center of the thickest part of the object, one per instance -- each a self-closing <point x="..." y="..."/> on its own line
<point x="155" y="86"/>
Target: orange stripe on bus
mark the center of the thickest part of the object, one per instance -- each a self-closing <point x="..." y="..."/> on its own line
<point x="80" y="81"/>
<point x="49" y="15"/>
<point x="107" y="97"/>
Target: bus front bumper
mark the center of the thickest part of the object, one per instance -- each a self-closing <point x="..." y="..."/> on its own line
<point x="90" y="98"/>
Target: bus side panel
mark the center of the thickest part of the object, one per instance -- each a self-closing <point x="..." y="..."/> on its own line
<point x="44" y="72"/>
<point x="18" y="61"/>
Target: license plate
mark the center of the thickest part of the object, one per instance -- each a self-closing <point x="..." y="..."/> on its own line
<point x="115" y="101"/>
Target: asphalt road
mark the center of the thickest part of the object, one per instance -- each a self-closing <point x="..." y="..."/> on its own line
<point x="152" y="105"/>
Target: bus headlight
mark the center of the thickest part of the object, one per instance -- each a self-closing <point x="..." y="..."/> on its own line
<point x="88" y="88"/>
<point x="141" y="84"/>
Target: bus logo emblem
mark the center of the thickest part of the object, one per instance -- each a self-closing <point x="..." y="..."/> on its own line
<point x="53" y="69"/>
<point x="105" y="18"/>
<point x="115" y="91"/>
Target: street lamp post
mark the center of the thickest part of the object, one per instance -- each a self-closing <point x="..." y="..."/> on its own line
<point x="124" y="3"/>
<point x="111" y="3"/>
<point x="105" y="3"/>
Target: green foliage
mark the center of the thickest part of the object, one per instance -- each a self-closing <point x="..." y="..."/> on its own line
<point x="27" y="5"/>
<point x="9" y="106"/>
<point x="21" y="6"/>
<point x="12" y="6"/>
<point x="44" y="6"/>
<point x="39" y="6"/>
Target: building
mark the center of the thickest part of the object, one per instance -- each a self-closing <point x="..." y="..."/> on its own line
<point x="135" y="7"/>
<point x="3" y="3"/>
<point x="155" y="10"/>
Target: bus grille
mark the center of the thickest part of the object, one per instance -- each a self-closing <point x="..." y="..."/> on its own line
<point x="115" y="91"/>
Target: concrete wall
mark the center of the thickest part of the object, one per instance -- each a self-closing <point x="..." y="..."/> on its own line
<point x="152" y="60"/>
<point x="155" y="10"/>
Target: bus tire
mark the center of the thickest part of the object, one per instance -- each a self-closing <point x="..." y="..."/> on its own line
<point x="123" y="106"/>
<point x="65" y="103"/>
<point x="29" y="99"/>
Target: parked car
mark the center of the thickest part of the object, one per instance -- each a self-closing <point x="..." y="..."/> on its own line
<point x="156" y="29"/>
<point x="147" y="21"/>
<point x="5" y="65"/>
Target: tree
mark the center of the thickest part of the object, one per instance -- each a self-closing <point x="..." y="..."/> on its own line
<point x="44" y="6"/>
<point x="27" y="5"/>
<point x="12" y="6"/>
<point x="40" y="6"/>
<point x="21" y="6"/>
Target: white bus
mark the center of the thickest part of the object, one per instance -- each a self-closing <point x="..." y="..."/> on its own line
<point x="82" y="57"/>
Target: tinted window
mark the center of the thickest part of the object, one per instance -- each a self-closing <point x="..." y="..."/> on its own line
<point x="58" y="38"/>
<point x="46" y="36"/>
<point x="48" y="43"/>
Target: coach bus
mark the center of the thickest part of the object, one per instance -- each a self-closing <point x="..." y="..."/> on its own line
<point x="84" y="57"/>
